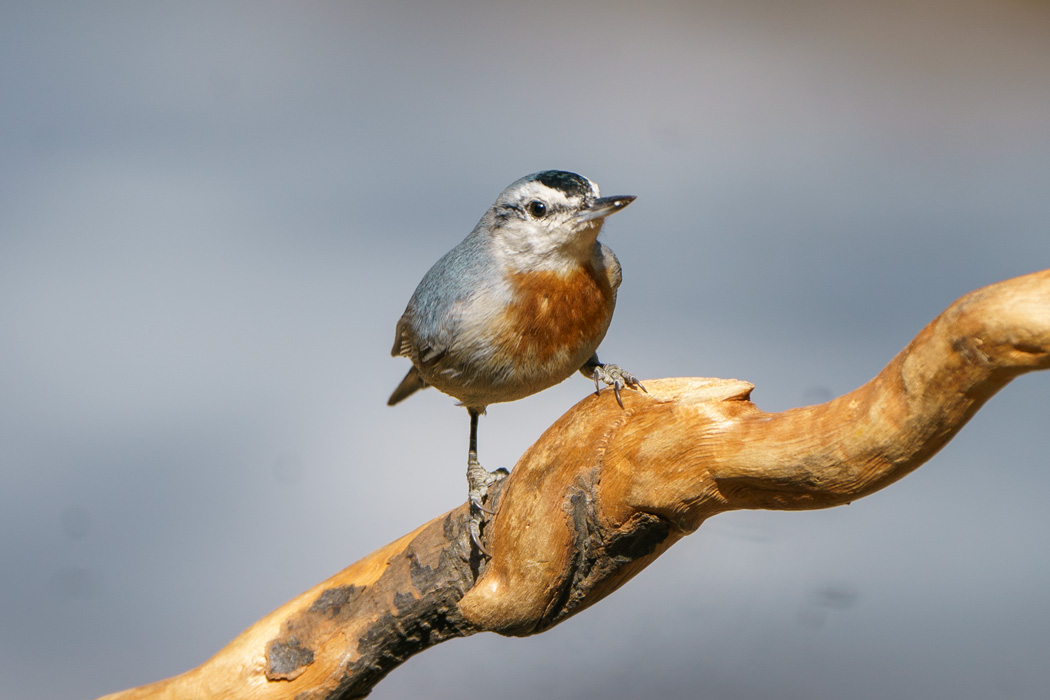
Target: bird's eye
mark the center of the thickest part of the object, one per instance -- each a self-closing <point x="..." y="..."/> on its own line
<point x="537" y="209"/>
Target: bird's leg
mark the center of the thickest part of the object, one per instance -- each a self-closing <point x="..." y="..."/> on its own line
<point x="478" y="482"/>
<point x="610" y="375"/>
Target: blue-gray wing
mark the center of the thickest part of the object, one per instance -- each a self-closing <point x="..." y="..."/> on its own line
<point x="433" y="318"/>
<point x="606" y="261"/>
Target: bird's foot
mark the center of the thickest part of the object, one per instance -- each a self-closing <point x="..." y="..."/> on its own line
<point x="617" y="378"/>
<point x="479" y="480"/>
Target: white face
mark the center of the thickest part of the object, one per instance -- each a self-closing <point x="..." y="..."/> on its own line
<point x="536" y="227"/>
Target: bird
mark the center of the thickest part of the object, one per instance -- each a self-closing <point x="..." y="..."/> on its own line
<point x="520" y="305"/>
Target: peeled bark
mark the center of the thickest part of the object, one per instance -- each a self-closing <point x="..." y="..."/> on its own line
<point x="605" y="490"/>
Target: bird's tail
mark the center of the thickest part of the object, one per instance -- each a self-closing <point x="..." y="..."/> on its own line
<point x="408" y="386"/>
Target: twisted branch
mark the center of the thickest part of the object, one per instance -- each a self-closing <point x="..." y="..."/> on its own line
<point x="605" y="491"/>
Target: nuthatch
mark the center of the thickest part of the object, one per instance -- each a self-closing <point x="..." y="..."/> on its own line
<point x="517" y="307"/>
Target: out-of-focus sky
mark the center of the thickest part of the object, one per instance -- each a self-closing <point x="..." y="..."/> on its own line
<point x="212" y="214"/>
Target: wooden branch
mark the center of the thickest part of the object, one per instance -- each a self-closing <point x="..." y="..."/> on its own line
<point x="605" y="491"/>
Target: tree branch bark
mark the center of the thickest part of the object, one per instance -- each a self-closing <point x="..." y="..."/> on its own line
<point x="605" y="491"/>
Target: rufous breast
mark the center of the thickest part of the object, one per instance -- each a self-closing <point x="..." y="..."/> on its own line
<point x="556" y="315"/>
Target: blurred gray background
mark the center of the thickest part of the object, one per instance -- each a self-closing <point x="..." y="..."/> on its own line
<point x="212" y="214"/>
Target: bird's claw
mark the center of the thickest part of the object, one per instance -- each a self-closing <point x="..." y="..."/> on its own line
<point x="617" y="378"/>
<point x="475" y="536"/>
<point x="479" y="481"/>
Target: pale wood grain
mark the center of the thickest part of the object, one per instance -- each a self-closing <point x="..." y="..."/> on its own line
<point x="606" y="490"/>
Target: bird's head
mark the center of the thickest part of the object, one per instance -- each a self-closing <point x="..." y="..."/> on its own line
<point x="549" y="218"/>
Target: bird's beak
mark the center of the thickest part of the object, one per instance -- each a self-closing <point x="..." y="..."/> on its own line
<point x="604" y="206"/>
